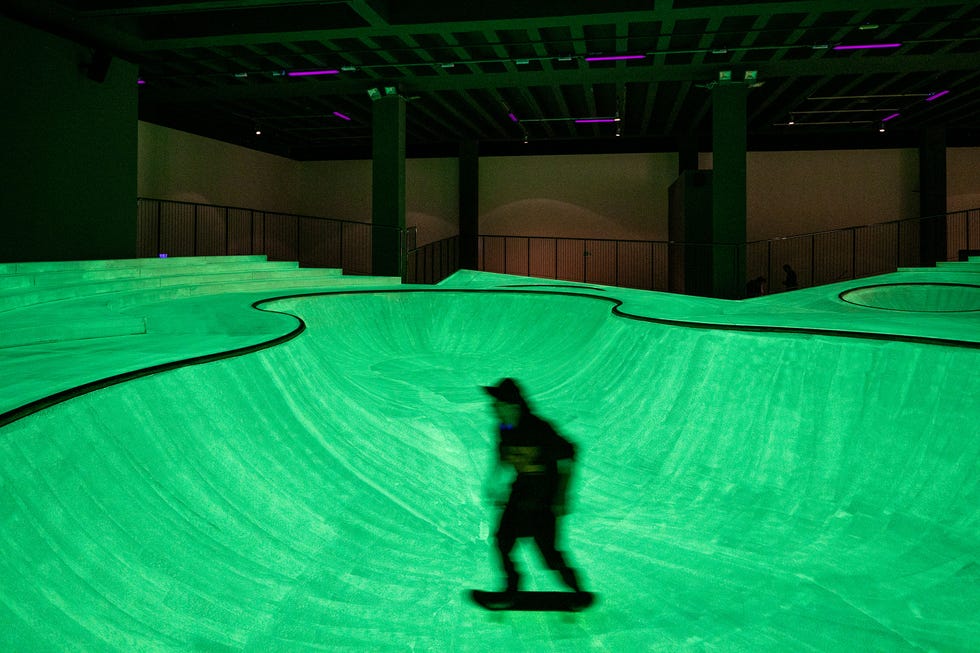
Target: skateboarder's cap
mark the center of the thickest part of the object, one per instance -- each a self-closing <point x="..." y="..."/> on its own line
<point x="506" y="391"/>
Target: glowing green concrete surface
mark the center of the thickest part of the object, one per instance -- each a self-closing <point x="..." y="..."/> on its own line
<point x="917" y="297"/>
<point x="737" y="490"/>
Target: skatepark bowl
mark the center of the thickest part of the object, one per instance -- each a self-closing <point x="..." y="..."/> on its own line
<point x="775" y="474"/>
<point x="926" y="297"/>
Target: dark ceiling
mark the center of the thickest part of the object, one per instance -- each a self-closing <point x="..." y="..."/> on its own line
<point x="502" y="71"/>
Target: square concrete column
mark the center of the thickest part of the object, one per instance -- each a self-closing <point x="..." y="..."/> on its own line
<point x="728" y="206"/>
<point x="388" y="187"/>
<point x="932" y="196"/>
<point x="469" y="206"/>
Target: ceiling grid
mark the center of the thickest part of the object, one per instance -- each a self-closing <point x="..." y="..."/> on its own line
<point x="215" y="68"/>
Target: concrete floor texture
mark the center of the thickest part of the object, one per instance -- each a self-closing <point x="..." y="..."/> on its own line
<point x="217" y="455"/>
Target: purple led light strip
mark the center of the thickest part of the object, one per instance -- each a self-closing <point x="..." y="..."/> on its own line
<point x="936" y="96"/>
<point x="512" y="117"/>
<point x="891" y="117"/>
<point x="868" y="46"/>
<point x="616" y="57"/>
<point x="340" y="115"/>
<point x="310" y="73"/>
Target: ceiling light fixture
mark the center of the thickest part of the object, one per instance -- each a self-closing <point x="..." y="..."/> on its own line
<point x="311" y="73"/>
<point x="936" y="96"/>
<point x="616" y="57"/>
<point x="868" y="46"/>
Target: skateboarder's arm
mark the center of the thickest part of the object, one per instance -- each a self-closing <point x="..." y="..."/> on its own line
<point x="496" y="484"/>
<point x="561" y="492"/>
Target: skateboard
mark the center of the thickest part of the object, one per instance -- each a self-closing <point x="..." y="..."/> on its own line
<point x="533" y="601"/>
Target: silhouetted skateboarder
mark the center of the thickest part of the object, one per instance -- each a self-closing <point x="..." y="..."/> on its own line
<point x="542" y="460"/>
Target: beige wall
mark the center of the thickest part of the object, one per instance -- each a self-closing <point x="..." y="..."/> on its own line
<point x="179" y="166"/>
<point x="592" y="196"/>
<point x="962" y="178"/>
<point x="175" y="165"/>
<point x="582" y="196"/>
<point x="791" y="193"/>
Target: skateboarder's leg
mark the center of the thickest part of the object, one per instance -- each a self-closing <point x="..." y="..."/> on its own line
<point x="506" y="538"/>
<point x="546" y="537"/>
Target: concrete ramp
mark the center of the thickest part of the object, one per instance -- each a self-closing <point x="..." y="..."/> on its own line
<point x="735" y="491"/>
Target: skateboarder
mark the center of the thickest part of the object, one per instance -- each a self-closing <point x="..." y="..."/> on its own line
<point x="542" y="460"/>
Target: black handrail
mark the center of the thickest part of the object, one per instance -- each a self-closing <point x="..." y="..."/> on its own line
<point x="315" y="241"/>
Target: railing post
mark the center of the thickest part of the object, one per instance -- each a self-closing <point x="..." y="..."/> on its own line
<point x="159" y="227"/>
<point x="585" y="261"/>
<point x="813" y="260"/>
<point x="616" y="259"/>
<point x="297" y="237"/>
<point x="528" y="256"/>
<point x="898" y="245"/>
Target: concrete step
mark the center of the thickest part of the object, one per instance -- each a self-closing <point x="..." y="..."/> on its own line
<point x="73" y="277"/>
<point x="959" y="266"/>
<point x="73" y="328"/>
<point x="284" y="286"/>
<point x="948" y="266"/>
<point x="31" y="267"/>
<point x="24" y="297"/>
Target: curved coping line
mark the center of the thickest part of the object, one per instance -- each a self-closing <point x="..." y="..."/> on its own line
<point x="38" y="405"/>
<point x="46" y="402"/>
<point x="553" y="285"/>
<point x="841" y="296"/>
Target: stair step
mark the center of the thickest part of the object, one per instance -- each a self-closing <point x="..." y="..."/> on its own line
<point x="50" y="266"/>
<point x="72" y="329"/>
<point x="42" y="295"/>
<point x="279" y="287"/>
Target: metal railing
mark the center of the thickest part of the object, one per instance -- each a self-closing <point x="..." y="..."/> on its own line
<point x="188" y="229"/>
<point x="433" y="262"/>
<point x="864" y="251"/>
<point x="816" y="259"/>
<point x="628" y="263"/>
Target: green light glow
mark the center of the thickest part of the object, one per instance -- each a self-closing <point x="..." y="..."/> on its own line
<point x="736" y="490"/>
